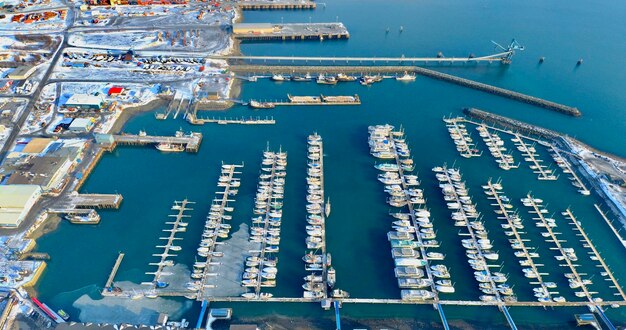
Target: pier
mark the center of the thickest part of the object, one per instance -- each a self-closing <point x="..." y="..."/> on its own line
<point x="397" y="69"/>
<point x="214" y="228"/>
<point x="317" y="210"/>
<point x="109" y="284"/>
<point x="462" y="140"/>
<point x="529" y="154"/>
<point x="307" y="100"/>
<point x="177" y="226"/>
<point x="588" y="244"/>
<point x="83" y="204"/>
<point x="577" y="280"/>
<point x="496" y="147"/>
<point x="567" y="168"/>
<point x="275" y="4"/>
<point x="290" y="31"/>
<point x="191" y="141"/>
<point x="229" y="121"/>
<point x="494" y="193"/>
<point x="608" y="222"/>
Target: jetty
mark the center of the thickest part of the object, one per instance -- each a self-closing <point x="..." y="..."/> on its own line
<point x="289" y="31"/>
<point x="530" y="155"/>
<point x="229" y="121"/>
<point x="275" y="4"/>
<point x="76" y="201"/>
<point x="108" y="287"/>
<point x="494" y="192"/>
<point x="594" y="252"/>
<point x="177" y="226"/>
<point x="399" y="69"/>
<point x="215" y="229"/>
<point x="575" y="279"/>
<point x="512" y="124"/>
<point x="317" y="211"/>
<point x="190" y="141"/>
<point x="307" y="100"/>
<point x="610" y="223"/>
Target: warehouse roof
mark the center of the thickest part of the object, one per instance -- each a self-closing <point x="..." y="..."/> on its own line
<point x="16" y="195"/>
<point x="84" y="99"/>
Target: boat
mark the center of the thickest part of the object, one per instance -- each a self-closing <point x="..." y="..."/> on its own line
<point x="170" y="147"/>
<point x="327" y="208"/>
<point x="344" y="77"/>
<point x="63" y="315"/>
<point x="326" y="80"/>
<point x="304" y="78"/>
<point x="445" y="288"/>
<point x="278" y="77"/>
<point x="331" y="277"/>
<point x="249" y="295"/>
<point x="261" y="105"/>
<point x="416" y="294"/>
<point x="406" y="77"/>
<point x="337" y="293"/>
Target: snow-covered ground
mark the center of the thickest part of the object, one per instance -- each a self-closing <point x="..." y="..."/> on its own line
<point x="210" y="41"/>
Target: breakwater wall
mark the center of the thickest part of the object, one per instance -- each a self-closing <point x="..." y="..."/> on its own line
<point x="512" y="124"/>
<point x="289" y="69"/>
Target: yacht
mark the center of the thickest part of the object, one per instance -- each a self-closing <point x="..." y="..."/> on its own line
<point x="170" y="147"/>
<point x="278" y="77"/>
<point x="406" y="77"/>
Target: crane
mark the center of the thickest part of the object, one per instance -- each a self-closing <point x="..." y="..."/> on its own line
<point x="509" y="51"/>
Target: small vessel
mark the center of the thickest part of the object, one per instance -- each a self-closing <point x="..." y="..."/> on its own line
<point x="261" y="105"/>
<point x="249" y="295"/>
<point x="278" y="77"/>
<point x="63" y="315"/>
<point x="170" y="147"/>
<point x="331" y="277"/>
<point x="327" y="208"/>
<point x="406" y="77"/>
<point x="344" y="77"/>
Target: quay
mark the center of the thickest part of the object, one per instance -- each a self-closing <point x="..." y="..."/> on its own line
<point x="289" y="31"/>
<point x="307" y="100"/>
<point x="108" y="287"/>
<point x="177" y="226"/>
<point x="529" y="154"/>
<point x="226" y="121"/>
<point x="608" y="222"/>
<point x="493" y="193"/>
<point x="399" y="69"/>
<point x="275" y="4"/>
<point x="191" y="141"/>
<point x="587" y="243"/>
<point x="72" y="203"/>
<point x="536" y="208"/>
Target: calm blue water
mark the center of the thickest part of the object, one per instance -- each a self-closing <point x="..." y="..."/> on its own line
<point x="562" y="32"/>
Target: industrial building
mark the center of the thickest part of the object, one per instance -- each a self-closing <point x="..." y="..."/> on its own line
<point x="15" y="203"/>
<point x="85" y="102"/>
<point x="255" y="28"/>
<point x="81" y="125"/>
<point x="22" y="72"/>
<point x="46" y="171"/>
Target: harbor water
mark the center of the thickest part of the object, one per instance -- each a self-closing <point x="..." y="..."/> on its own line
<point x="149" y="180"/>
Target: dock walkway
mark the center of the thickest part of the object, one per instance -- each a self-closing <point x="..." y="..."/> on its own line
<point x="275" y="4"/>
<point x="116" y="266"/>
<point x="228" y="121"/>
<point x="191" y="141"/>
<point x="530" y="156"/>
<point x="608" y="222"/>
<point x="297" y="31"/>
<point x="83" y="201"/>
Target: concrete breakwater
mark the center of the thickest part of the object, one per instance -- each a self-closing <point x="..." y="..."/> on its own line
<point x="511" y="124"/>
<point x="328" y="69"/>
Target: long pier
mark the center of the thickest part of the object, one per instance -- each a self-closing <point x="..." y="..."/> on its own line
<point x="608" y="222"/>
<point x="568" y="213"/>
<point x="276" y="4"/>
<point x="116" y="266"/>
<point x="294" y="31"/>
<point x="182" y="207"/>
<point x="229" y="121"/>
<point x="537" y="209"/>
<point x="529" y="155"/>
<point x="398" y="69"/>
<point x="218" y="208"/>
<point x="495" y="195"/>
<point x="73" y="202"/>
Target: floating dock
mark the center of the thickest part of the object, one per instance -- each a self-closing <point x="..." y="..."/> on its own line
<point x="608" y="222"/>
<point x="530" y="155"/>
<point x="307" y="100"/>
<point x="496" y="147"/>
<point x="290" y="31"/>
<point x="230" y="121"/>
<point x="276" y="4"/>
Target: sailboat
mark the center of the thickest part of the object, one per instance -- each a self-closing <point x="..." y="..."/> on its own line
<point x="327" y="208"/>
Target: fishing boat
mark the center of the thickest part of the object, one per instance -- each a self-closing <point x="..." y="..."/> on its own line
<point x="170" y="147"/>
<point x="344" y="77"/>
<point x="326" y="80"/>
<point x="406" y="77"/>
<point x="261" y="105"/>
<point x="331" y="277"/>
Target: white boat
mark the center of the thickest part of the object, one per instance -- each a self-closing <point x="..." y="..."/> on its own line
<point x="170" y="147"/>
<point x="406" y="77"/>
<point x="278" y="77"/>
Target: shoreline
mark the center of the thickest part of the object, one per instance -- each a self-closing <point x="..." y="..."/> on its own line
<point x="133" y="110"/>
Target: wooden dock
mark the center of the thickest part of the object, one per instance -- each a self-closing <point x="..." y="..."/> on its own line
<point x="229" y="121"/>
<point x="587" y="243"/>
<point x="536" y="209"/>
<point x="297" y="31"/>
<point x="276" y="4"/>
<point x="530" y="156"/>
<point x="494" y="194"/>
<point x="181" y="207"/>
<point x="116" y="266"/>
<point x="608" y="222"/>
